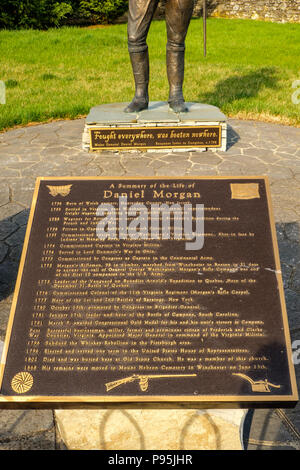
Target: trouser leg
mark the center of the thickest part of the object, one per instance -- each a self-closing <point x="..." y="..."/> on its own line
<point x="178" y="16"/>
<point x="139" y="19"/>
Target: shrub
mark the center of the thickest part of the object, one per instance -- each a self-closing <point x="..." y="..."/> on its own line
<point x="39" y="14"/>
<point x="42" y="14"/>
<point x="102" y="11"/>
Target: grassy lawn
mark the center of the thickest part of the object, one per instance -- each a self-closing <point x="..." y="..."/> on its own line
<point x="61" y="73"/>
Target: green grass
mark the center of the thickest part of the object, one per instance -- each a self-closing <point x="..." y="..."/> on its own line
<point x="61" y="73"/>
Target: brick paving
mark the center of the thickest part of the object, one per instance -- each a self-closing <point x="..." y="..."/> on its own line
<point x="54" y="149"/>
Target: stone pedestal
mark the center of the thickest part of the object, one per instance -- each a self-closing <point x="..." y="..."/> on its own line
<point x="150" y="429"/>
<point x="158" y="128"/>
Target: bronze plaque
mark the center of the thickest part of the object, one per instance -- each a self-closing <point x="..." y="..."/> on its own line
<point x="145" y="137"/>
<point x="108" y="310"/>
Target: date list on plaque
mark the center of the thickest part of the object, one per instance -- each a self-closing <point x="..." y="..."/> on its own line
<point x="149" y="290"/>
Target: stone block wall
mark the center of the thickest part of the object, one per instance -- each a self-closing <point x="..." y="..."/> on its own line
<point x="281" y="11"/>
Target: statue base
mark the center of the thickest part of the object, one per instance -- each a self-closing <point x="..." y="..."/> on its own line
<point x="158" y="128"/>
<point x="150" y="429"/>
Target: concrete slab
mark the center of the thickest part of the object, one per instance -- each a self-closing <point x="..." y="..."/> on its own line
<point x="158" y="111"/>
<point x="145" y="429"/>
<point x="202" y="112"/>
<point x="110" y="114"/>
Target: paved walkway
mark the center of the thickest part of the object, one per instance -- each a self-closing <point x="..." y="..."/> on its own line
<point x="55" y="150"/>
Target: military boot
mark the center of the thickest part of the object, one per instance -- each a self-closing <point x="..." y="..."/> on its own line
<point x="140" y="68"/>
<point x="175" y="73"/>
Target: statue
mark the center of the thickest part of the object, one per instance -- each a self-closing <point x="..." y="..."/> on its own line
<point x="178" y="15"/>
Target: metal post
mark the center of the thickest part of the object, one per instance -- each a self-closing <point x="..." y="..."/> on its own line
<point x="204" y="27"/>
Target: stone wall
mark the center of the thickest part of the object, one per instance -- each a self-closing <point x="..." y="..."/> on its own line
<point x="280" y="11"/>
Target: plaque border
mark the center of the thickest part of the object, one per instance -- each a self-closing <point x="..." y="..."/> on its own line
<point x="218" y="126"/>
<point x="153" y="401"/>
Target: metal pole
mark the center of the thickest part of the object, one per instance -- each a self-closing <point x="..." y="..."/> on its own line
<point x="204" y="27"/>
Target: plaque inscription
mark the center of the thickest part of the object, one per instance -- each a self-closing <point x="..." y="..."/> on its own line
<point x="102" y="138"/>
<point x="136" y="316"/>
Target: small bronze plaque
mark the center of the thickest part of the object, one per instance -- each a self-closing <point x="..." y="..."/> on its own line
<point x="119" y="300"/>
<point x="244" y="191"/>
<point x="145" y="137"/>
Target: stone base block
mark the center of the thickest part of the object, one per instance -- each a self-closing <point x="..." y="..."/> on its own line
<point x="156" y="129"/>
<point x="149" y="429"/>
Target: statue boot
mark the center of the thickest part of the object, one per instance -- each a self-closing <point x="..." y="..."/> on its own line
<point x="140" y="68"/>
<point x="175" y="73"/>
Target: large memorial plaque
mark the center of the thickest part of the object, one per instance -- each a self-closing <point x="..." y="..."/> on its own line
<point x="144" y="315"/>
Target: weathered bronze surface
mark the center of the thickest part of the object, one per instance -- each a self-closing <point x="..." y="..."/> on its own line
<point x="129" y="320"/>
<point x="178" y="15"/>
<point x="155" y="137"/>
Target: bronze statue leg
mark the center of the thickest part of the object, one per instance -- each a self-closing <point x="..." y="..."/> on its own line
<point x="139" y="19"/>
<point x="178" y="16"/>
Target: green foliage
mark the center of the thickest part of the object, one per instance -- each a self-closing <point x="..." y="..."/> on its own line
<point x="102" y="11"/>
<point x="42" y="14"/>
<point x="60" y="11"/>
<point x="37" y="14"/>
